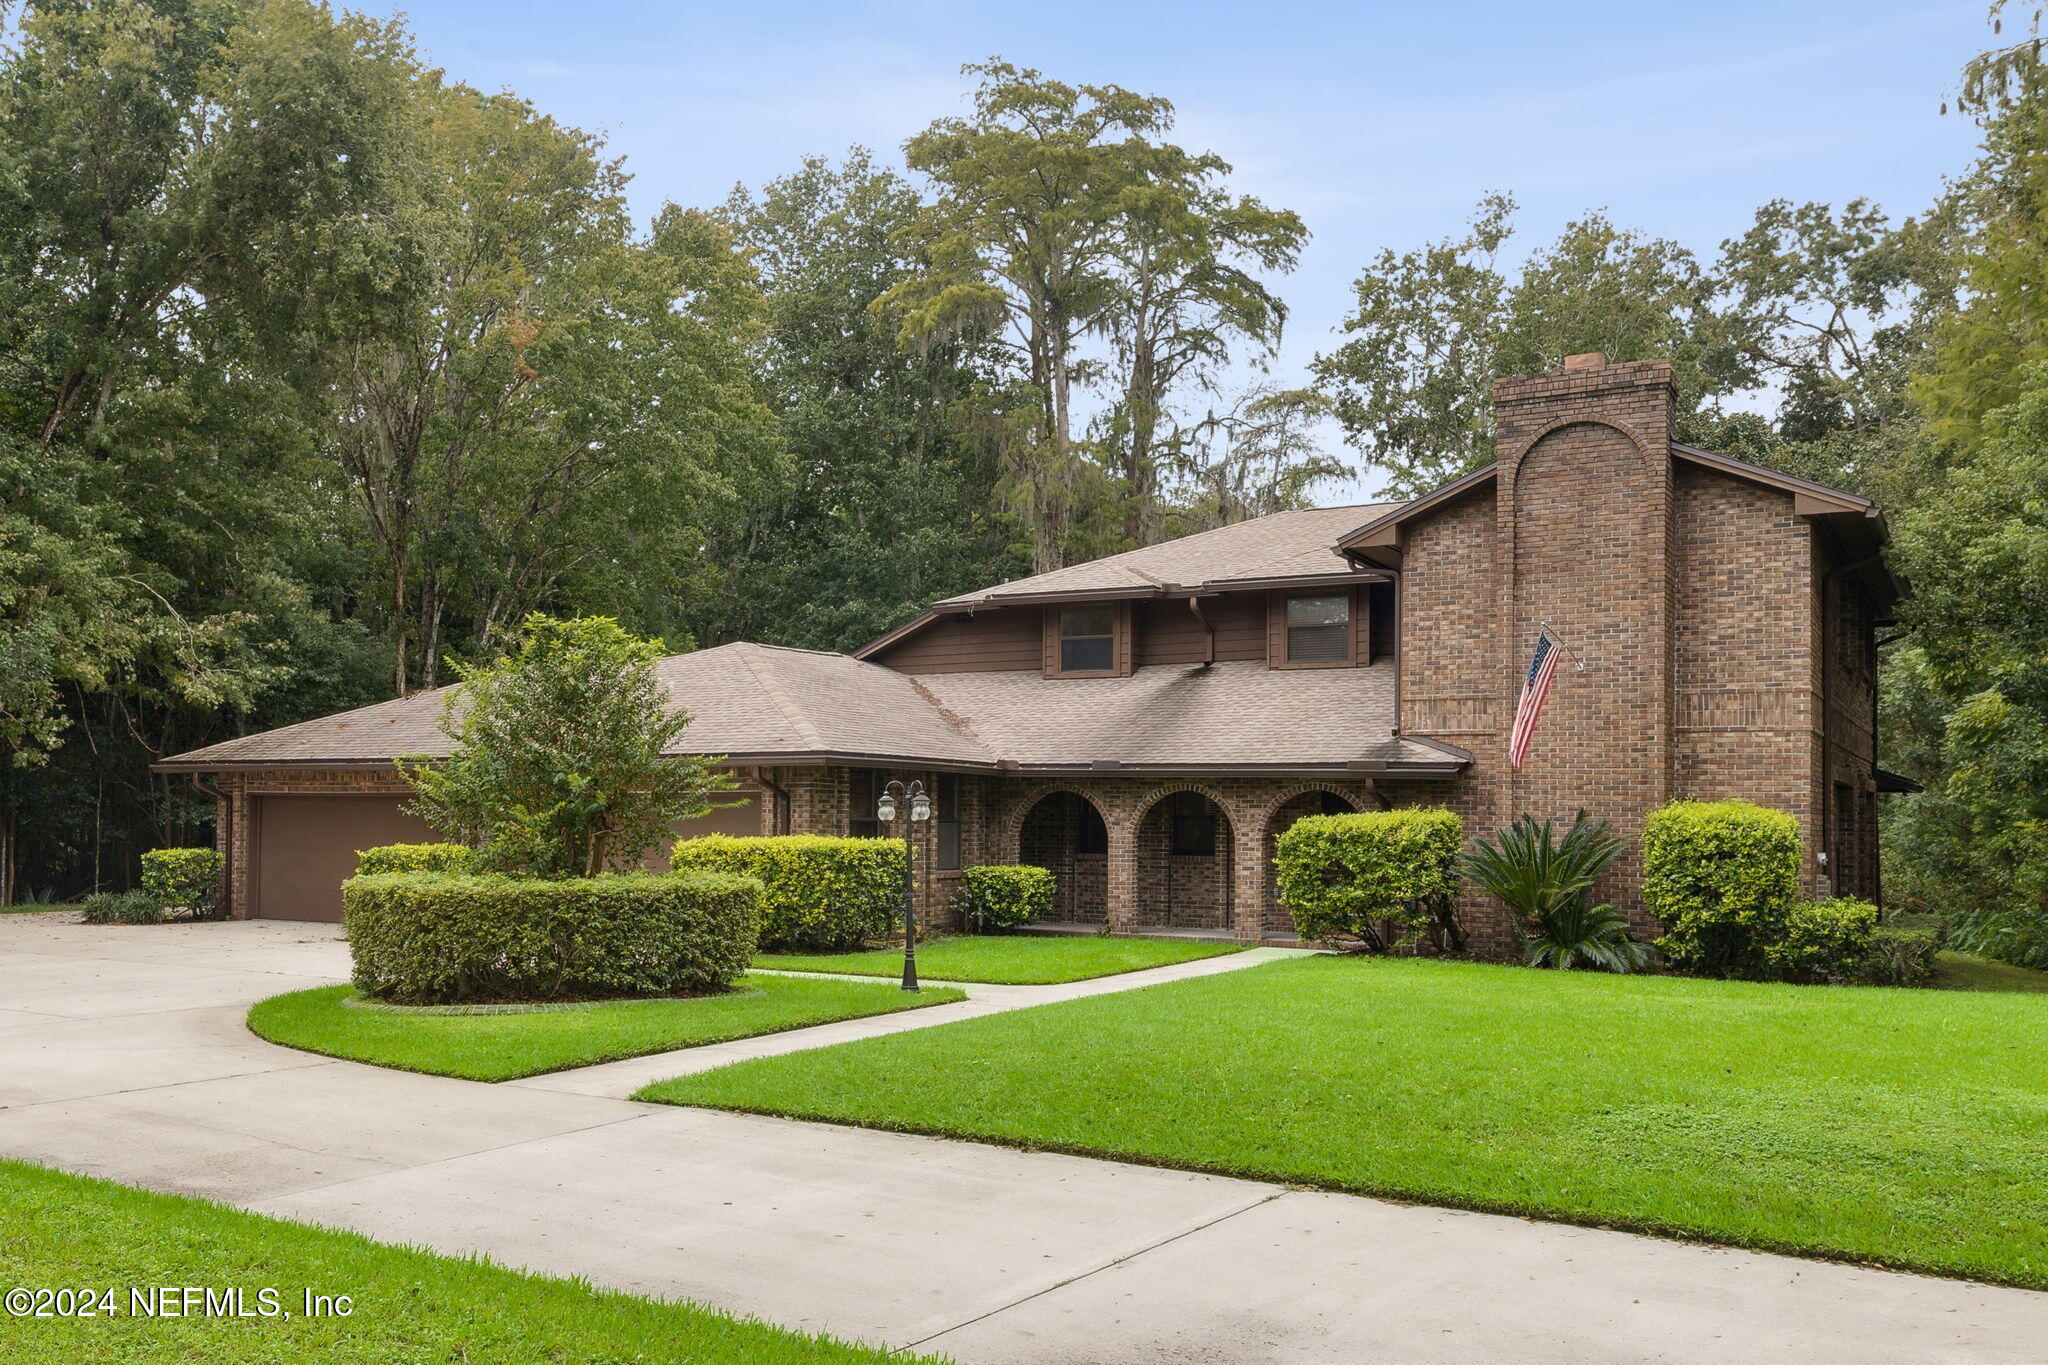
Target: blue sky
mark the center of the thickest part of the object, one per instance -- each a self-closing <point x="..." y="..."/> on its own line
<point x="1380" y="123"/>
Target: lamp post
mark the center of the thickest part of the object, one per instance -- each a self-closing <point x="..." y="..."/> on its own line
<point x="919" y="810"/>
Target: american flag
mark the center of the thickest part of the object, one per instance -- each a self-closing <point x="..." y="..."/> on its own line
<point x="1535" y="690"/>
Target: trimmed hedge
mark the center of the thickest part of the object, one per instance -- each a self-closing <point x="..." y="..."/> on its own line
<point x="1003" y="895"/>
<point x="183" y="877"/>
<point x="1721" y="876"/>
<point x="425" y="938"/>
<point x="1823" y="941"/>
<point x="819" y="891"/>
<point x="1902" y="954"/>
<point x="455" y="858"/>
<point x="1350" y="875"/>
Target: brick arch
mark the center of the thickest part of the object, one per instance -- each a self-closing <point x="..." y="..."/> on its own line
<point x="1140" y="808"/>
<point x="1019" y="810"/>
<point x="1356" y="796"/>
<point x="1650" y="454"/>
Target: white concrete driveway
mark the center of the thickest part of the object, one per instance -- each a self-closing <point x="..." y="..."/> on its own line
<point x="123" y="1054"/>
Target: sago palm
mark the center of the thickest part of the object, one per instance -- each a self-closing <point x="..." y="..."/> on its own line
<point x="1547" y="880"/>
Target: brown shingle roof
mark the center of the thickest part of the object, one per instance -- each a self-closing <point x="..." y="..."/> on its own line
<point x="762" y="703"/>
<point x="1294" y="544"/>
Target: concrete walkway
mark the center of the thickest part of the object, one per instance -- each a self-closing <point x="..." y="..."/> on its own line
<point x="123" y="1054"/>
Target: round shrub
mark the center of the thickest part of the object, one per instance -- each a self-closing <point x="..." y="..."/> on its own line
<point x="443" y="939"/>
<point x="415" y="858"/>
<point x="819" y="891"/>
<point x="1901" y="951"/>
<point x="1001" y="896"/>
<point x="1823" y="941"/>
<point x="1721" y="877"/>
<point x="187" y="878"/>
<point x="1384" y="877"/>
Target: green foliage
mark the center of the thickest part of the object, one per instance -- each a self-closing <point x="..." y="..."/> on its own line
<point x="998" y="896"/>
<point x="1721" y="876"/>
<point x="121" y="907"/>
<point x="1547" y="882"/>
<point x="1385" y="878"/>
<point x="1580" y="931"/>
<point x="415" y="858"/>
<point x="820" y="891"/>
<point x="1899" y="955"/>
<point x="560" y="765"/>
<point x="439" y="939"/>
<point x="184" y="878"/>
<point x="1823" y="941"/>
<point x="1431" y="330"/>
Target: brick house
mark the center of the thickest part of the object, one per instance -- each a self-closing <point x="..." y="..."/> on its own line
<point x="1148" y="723"/>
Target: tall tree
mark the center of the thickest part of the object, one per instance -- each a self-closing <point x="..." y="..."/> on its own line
<point x="186" y="193"/>
<point x="1432" y="330"/>
<point x="563" y="398"/>
<point x="887" y="497"/>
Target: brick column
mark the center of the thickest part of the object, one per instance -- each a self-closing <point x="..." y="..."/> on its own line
<point x="1247" y="875"/>
<point x="1121" y="898"/>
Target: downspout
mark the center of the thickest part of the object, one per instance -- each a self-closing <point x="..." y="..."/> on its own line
<point x="224" y="822"/>
<point x="778" y="817"/>
<point x="1209" y="654"/>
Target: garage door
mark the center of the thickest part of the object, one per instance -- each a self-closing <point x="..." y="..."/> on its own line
<point x="306" y="846"/>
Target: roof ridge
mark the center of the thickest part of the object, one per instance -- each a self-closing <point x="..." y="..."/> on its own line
<point x="784" y="703"/>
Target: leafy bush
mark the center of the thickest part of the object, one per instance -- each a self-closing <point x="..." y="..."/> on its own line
<point x="435" y="939"/>
<point x="415" y="858"/>
<point x="1002" y="896"/>
<point x="1386" y="878"/>
<point x="187" y="878"/>
<point x="561" y="764"/>
<point x="1901" y="954"/>
<point x="820" y="891"/>
<point x="122" y="907"/>
<point x="1548" y="883"/>
<point x="1823" y="941"/>
<point x="1721" y="876"/>
<point x="2016" y="936"/>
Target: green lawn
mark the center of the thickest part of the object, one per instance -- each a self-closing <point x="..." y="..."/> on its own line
<point x="410" y="1307"/>
<point x="1897" y="1126"/>
<point x="1967" y="972"/>
<point x="1008" y="959"/>
<point x="500" y="1047"/>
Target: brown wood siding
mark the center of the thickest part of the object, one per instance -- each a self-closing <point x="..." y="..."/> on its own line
<point x="990" y="642"/>
<point x="1168" y="633"/>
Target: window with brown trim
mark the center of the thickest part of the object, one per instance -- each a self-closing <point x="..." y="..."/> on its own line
<point x="1316" y="629"/>
<point x="1087" y="639"/>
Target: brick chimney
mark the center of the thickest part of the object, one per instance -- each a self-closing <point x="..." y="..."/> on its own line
<point x="1584" y="491"/>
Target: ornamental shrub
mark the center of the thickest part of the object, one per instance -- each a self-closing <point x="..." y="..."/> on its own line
<point x="423" y="938"/>
<point x="820" y="891"/>
<point x="1823" y="941"/>
<point x="1901" y="954"/>
<point x="1386" y="878"/>
<point x="1721" y="876"/>
<point x="121" y="907"/>
<point x="187" y="878"/>
<point x="415" y="858"/>
<point x="1002" y="896"/>
<point x="563" y="762"/>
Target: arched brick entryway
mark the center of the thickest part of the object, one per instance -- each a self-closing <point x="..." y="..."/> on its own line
<point x="1273" y="918"/>
<point x="1186" y="856"/>
<point x="1063" y="832"/>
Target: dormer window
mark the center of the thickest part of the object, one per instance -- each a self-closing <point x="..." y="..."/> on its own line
<point x="1087" y="642"/>
<point x="1315" y="629"/>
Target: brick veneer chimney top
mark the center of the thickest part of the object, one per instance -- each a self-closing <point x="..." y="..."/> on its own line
<point x="1591" y="360"/>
